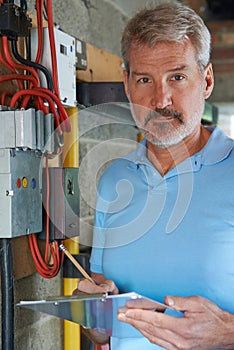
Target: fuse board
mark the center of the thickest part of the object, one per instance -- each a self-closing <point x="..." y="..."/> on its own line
<point x="20" y="193"/>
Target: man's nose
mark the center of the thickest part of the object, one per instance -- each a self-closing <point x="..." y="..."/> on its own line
<point x="161" y="97"/>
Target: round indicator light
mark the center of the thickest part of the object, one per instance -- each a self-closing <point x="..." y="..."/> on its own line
<point x="24" y="182"/>
<point x="34" y="183"/>
<point x="18" y="182"/>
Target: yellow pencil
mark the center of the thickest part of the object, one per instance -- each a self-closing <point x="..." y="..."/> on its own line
<point x="75" y="262"/>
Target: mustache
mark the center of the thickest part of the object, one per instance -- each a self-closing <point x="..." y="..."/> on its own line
<point x="164" y="112"/>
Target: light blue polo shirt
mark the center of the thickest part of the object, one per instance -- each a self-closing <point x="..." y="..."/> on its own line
<point x="170" y="235"/>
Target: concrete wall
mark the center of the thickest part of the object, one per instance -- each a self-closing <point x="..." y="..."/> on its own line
<point x="98" y="22"/>
<point x="34" y="330"/>
<point x="102" y="139"/>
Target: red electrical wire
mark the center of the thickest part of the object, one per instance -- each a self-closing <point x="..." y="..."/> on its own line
<point x="34" y="78"/>
<point x="3" y="97"/>
<point x="10" y="68"/>
<point x="46" y="271"/>
<point x="38" y="101"/>
<point x="18" y="77"/>
<point x="60" y="119"/>
<point x="5" y="63"/>
<point x="63" y="114"/>
<point x="39" y="10"/>
<point x="15" y="64"/>
<point x="44" y="266"/>
<point x="45" y="96"/>
<point x="52" y="46"/>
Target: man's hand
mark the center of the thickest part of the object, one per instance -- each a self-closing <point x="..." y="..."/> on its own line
<point x="204" y="325"/>
<point x="102" y="286"/>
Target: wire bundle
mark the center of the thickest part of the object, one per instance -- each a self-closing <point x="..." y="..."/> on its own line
<point x="31" y="94"/>
<point x="50" y="95"/>
<point x="49" y="265"/>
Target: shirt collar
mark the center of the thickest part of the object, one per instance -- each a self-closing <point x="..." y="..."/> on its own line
<point x="216" y="149"/>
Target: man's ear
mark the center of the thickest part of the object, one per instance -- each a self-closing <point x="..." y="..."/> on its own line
<point x="125" y="81"/>
<point x="209" y="77"/>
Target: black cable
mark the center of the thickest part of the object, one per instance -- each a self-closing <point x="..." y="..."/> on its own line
<point x="32" y="64"/>
<point x="26" y="45"/>
<point x="45" y="11"/>
<point x="7" y="289"/>
<point x="24" y="5"/>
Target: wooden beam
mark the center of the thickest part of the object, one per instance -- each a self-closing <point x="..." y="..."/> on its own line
<point x="101" y="66"/>
<point x="23" y="263"/>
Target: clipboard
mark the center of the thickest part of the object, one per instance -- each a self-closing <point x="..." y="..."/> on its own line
<point x="95" y="311"/>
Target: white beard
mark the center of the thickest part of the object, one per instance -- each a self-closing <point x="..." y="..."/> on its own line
<point x="165" y="134"/>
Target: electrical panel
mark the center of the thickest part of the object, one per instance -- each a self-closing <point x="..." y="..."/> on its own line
<point x="64" y="203"/>
<point x="66" y="62"/>
<point x="25" y="136"/>
<point x="20" y="194"/>
<point x="36" y="199"/>
<point x="28" y="134"/>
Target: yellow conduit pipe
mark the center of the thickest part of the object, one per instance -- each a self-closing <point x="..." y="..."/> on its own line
<point x="71" y="160"/>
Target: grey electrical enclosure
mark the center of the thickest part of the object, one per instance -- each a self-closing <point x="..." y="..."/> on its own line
<point x="20" y="193"/>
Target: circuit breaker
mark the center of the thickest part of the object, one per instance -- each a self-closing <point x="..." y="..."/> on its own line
<point x="20" y="194"/>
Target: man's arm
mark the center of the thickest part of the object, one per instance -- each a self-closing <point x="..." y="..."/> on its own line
<point x="204" y="325"/>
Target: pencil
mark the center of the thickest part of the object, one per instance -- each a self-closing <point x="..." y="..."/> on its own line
<point x="75" y="262"/>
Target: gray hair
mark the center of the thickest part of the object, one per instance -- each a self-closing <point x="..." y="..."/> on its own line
<point x="168" y="22"/>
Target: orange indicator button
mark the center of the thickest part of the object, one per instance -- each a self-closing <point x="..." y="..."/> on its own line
<point x="18" y="182"/>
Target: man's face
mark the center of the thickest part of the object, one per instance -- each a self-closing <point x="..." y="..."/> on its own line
<point x="167" y="91"/>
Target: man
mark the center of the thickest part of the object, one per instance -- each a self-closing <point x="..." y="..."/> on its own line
<point x="164" y="223"/>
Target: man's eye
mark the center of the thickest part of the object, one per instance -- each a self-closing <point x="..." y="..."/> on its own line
<point x="144" y="80"/>
<point x="178" y="77"/>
